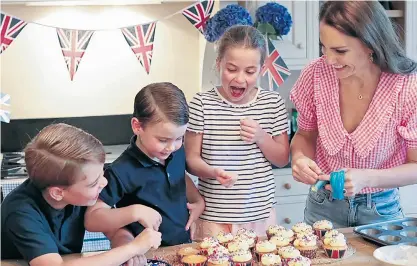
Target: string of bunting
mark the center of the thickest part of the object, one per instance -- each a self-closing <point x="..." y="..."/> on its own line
<point x="140" y="38"/>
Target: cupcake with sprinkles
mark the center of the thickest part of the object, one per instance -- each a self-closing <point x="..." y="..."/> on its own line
<point x="247" y="232"/>
<point x="244" y="238"/>
<point x="322" y="227"/>
<point x="335" y="247"/>
<point x="217" y="249"/>
<point x="273" y="230"/>
<point x="224" y="238"/>
<point x="271" y="260"/>
<point x="264" y="247"/>
<point x="218" y="259"/>
<point x="280" y="241"/>
<point x="307" y="245"/>
<point x="301" y="229"/>
<point x="186" y="251"/>
<point x="286" y="233"/>
<point x="242" y="257"/>
<point x="207" y="243"/>
<point x="288" y="253"/>
<point x="299" y="261"/>
<point x="236" y="245"/>
<point x="194" y="260"/>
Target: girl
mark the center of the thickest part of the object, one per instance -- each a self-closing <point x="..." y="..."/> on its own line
<point x="147" y="183"/>
<point x="235" y="132"/>
<point x="43" y="218"/>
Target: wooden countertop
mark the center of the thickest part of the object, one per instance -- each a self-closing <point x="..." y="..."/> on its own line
<point x="363" y="255"/>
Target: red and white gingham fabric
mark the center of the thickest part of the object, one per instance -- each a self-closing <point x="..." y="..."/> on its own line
<point x="382" y="138"/>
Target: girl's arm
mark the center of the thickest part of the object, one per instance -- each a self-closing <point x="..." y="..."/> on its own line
<point x="195" y="164"/>
<point x="270" y="145"/>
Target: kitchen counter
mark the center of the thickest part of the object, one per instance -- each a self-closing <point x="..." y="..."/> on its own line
<point x="363" y="255"/>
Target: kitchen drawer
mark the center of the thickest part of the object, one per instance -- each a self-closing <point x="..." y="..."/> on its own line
<point x="289" y="214"/>
<point x="287" y="186"/>
<point x="408" y="198"/>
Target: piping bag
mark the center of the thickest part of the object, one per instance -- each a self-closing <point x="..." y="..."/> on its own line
<point x="337" y="182"/>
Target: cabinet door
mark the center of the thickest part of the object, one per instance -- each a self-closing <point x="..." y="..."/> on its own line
<point x="408" y="199"/>
<point x="301" y="45"/>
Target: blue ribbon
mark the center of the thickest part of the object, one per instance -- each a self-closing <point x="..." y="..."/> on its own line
<point x="337" y="181"/>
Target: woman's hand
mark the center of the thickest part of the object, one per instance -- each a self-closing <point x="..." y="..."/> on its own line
<point x="355" y="181"/>
<point x="305" y="170"/>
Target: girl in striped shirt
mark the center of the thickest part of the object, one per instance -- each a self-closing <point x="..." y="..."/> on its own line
<point x="235" y="132"/>
<point x="357" y="110"/>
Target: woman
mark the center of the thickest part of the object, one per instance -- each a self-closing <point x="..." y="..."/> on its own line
<point x="357" y="111"/>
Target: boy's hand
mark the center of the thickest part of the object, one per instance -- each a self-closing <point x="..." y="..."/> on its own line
<point x="146" y="240"/>
<point x="195" y="209"/>
<point x="148" y="217"/>
<point x="227" y="179"/>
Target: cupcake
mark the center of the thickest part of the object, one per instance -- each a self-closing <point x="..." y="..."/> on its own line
<point x="194" y="260"/>
<point x="321" y="227"/>
<point x="299" y="227"/>
<point x="331" y="233"/>
<point x="207" y="243"/>
<point x="217" y="249"/>
<point x="286" y="233"/>
<point x="218" y="259"/>
<point x="299" y="261"/>
<point x="335" y="247"/>
<point x="273" y="229"/>
<point x="224" y="238"/>
<point x="264" y="247"/>
<point x="326" y="240"/>
<point x="288" y="253"/>
<point x="280" y="241"/>
<point x="247" y="232"/>
<point x="271" y="260"/>
<point x="242" y="257"/>
<point x="186" y="251"/>
<point x="307" y="245"/>
<point x="236" y="245"/>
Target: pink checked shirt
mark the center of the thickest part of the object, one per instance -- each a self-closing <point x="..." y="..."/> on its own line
<point x="381" y="140"/>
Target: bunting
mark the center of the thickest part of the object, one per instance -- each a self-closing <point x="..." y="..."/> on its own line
<point x="140" y="39"/>
<point x="199" y="13"/>
<point x="73" y="45"/>
<point x="10" y="28"/>
<point x="274" y="68"/>
<point x="4" y="101"/>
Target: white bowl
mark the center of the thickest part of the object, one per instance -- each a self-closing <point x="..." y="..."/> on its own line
<point x="397" y="255"/>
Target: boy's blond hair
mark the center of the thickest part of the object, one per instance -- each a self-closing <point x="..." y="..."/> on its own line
<point x="55" y="156"/>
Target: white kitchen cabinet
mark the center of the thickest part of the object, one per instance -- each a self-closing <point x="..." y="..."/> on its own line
<point x="409" y="200"/>
<point x="301" y="45"/>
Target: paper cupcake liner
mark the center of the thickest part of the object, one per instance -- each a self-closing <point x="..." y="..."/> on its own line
<point x="221" y="264"/>
<point x="311" y="254"/>
<point x="195" y="264"/>
<point x="248" y="263"/>
<point x="269" y="235"/>
<point x="320" y="233"/>
<point x="204" y="251"/>
<point x="335" y="253"/>
<point x="285" y="261"/>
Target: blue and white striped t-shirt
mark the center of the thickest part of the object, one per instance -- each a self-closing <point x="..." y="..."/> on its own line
<point x="252" y="196"/>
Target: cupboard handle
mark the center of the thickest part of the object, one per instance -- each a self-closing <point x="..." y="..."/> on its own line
<point x="300" y="46"/>
<point x="287" y="220"/>
<point x="287" y="185"/>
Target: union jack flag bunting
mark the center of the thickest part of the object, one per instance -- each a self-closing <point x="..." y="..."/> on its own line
<point x="4" y="114"/>
<point x="274" y="67"/>
<point x="140" y="39"/>
<point x="73" y="45"/>
<point x="199" y="13"/>
<point x="10" y="28"/>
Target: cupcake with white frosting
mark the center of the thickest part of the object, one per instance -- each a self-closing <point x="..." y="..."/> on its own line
<point x="208" y="242"/>
<point x="242" y="257"/>
<point x="247" y="232"/>
<point x="271" y="260"/>
<point x="273" y="230"/>
<point x="186" y="251"/>
<point x="236" y="245"/>
<point x="299" y="261"/>
<point x="264" y="247"/>
<point x="335" y="247"/>
<point x="307" y="245"/>
<point x="224" y="238"/>
<point x="218" y="259"/>
<point x="288" y="253"/>
<point x="321" y="227"/>
<point x="280" y="241"/>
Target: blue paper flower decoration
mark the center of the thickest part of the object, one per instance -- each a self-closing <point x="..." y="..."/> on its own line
<point x="276" y="15"/>
<point x="226" y="17"/>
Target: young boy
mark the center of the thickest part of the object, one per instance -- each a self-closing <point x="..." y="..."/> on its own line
<point x="43" y="218"/>
<point x="151" y="172"/>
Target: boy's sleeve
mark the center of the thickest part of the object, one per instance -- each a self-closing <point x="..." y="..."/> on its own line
<point x="281" y="119"/>
<point x="114" y="191"/>
<point x="29" y="235"/>
<point x="302" y="95"/>
<point x="196" y="121"/>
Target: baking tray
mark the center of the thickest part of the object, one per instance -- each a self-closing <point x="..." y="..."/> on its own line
<point x="396" y="232"/>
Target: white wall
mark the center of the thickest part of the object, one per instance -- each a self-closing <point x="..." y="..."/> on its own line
<point x="34" y="73"/>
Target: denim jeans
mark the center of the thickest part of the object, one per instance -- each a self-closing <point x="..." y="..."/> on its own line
<point x="353" y="211"/>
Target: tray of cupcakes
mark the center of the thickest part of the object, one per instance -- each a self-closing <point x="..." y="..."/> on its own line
<point x="300" y="245"/>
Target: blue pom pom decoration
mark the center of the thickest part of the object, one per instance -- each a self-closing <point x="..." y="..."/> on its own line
<point x="226" y="17"/>
<point x="276" y="15"/>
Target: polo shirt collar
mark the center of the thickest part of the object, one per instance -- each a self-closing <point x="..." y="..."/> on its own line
<point x="141" y="157"/>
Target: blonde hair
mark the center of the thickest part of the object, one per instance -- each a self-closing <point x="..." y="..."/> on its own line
<point x="55" y="156"/>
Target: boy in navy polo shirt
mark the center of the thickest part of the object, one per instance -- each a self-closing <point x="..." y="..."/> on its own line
<point x="43" y="218"/>
<point x="147" y="184"/>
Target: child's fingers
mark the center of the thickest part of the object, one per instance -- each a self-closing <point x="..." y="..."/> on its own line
<point x="247" y="129"/>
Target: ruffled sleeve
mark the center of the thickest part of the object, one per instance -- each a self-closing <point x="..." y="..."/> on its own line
<point x="408" y="125"/>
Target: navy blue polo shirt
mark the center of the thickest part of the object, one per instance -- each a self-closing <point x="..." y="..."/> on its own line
<point x="134" y="178"/>
<point x="32" y="228"/>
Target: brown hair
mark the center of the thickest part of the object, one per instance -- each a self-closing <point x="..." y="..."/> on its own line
<point x="161" y="101"/>
<point x="54" y="156"/>
<point x="368" y="21"/>
<point x="242" y="36"/>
